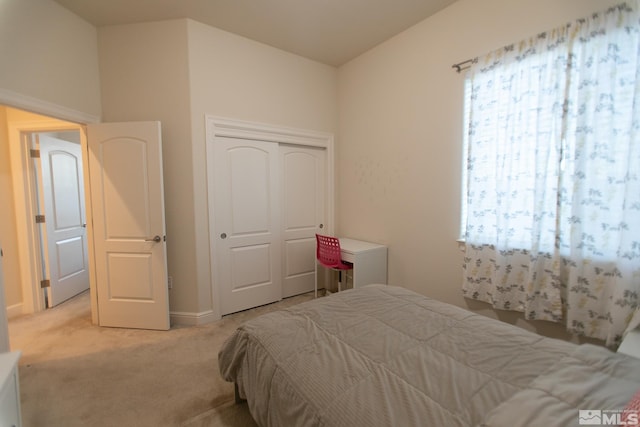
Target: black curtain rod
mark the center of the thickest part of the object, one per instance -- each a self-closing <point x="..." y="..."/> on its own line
<point x="464" y="65"/>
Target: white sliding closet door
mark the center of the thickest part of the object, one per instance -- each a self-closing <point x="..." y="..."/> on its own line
<point x="270" y="189"/>
<point x="247" y="223"/>
<point x="303" y="214"/>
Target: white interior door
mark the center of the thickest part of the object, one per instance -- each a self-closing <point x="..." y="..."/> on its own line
<point x="125" y="168"/>
<point x="303" y="202"/>
<point x="65" y="218"/>
<point x="247" y="223"/>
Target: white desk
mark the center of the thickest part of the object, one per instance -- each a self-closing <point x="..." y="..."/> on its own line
<point x="369" y="261"/>
<point x="631" y="343"/>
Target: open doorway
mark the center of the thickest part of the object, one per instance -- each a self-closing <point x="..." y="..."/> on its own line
<point x="125" y="228"/>
<point x="47" y="180"/>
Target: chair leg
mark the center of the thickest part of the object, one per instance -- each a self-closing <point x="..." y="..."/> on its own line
<point x="339" y="280"/>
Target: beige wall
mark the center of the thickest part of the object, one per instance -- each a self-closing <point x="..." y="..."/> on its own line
<point x="400" y="133"/>
<point x="48" y="54"/>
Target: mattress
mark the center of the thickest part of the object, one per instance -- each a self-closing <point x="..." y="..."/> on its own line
<point x="386" y="356"/>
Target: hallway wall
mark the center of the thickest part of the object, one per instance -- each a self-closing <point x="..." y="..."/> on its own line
<point x="8" y="232"/>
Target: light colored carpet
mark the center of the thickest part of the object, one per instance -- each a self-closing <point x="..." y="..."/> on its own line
<point x="73" y="373"/>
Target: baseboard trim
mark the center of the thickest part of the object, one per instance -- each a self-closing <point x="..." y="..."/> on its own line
<point x="14" y="310"/>
<point x="192" y="319"/>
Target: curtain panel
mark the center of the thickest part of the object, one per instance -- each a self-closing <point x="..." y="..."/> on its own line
<point x="552" y="224"/>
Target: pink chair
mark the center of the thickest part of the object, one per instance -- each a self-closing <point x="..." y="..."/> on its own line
<point x="328" y="254"/>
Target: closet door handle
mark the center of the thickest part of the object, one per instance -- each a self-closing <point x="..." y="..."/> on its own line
<point x="156" y="239"/>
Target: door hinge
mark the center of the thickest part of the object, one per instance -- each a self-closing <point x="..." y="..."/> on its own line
<point x="35" y="154"/>
<point x="39" y="219"/>
<point x="46" y="283"/>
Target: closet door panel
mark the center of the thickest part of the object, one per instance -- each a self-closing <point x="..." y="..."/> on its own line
<point x="247" y="223"/>
<point x="303" y="211"/>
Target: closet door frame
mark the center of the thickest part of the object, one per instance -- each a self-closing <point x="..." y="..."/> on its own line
<point x="225" y="127"/>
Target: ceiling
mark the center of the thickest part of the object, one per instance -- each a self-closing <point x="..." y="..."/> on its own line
<point x="328" y="31"/>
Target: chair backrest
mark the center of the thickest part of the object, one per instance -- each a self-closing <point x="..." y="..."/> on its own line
<point x="328" y="251"/>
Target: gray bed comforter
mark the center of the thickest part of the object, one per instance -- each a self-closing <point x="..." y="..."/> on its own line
<point x="386" y="356"/>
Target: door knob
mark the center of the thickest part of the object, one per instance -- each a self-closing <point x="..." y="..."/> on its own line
<point x="321" y="226"/>
<point x="156" y="239"/>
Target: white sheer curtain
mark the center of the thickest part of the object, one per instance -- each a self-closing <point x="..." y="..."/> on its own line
<point x="552" y="223"/>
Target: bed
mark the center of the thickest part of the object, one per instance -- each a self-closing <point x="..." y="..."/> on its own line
<point x="386" y="356"/>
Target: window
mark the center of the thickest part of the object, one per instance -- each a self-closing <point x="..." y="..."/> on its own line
<point x="551" y="209"/>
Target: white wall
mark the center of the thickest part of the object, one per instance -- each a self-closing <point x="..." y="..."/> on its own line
<point x="176" y="72"/>
<point x="400" y="133"/>
<point x="48" y="55"/>
<point x="144" y="76"/>
<point x="235" y="77"/>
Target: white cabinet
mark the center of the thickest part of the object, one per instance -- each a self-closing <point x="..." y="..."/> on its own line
<point x="10" y="390"/>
